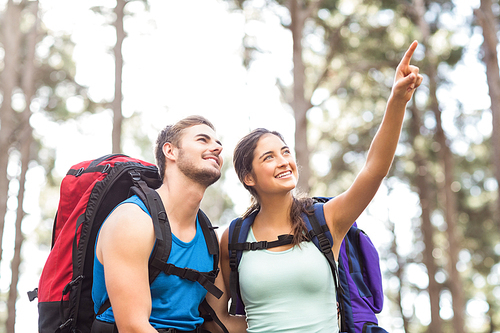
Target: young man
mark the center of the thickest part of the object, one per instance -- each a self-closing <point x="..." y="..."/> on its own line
<point x="189" y="159"/>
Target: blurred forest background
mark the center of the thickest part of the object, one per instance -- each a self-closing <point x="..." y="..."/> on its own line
<point x="80" y="79"/>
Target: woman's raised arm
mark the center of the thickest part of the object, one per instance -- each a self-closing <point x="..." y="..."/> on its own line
<point x="343" y="210"/>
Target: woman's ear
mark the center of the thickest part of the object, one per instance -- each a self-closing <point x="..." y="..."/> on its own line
<point x="248" y="180"/>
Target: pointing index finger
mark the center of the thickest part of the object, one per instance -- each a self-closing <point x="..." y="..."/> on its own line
<point x="409" y="53"/>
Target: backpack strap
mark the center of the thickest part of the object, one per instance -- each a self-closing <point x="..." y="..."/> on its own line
<point x="234" y="260"/>
<point x="210" y="314"/>
<point x="321" y="236"/>
<point x="238" y="233"/>
<point x="158" y="263"/>
<point x="211" y="239"/>
<point x="162" y="230"/>
<point x="163" y="233"/>
<point x="163" y="245"/>
<point x="262" y="245"/>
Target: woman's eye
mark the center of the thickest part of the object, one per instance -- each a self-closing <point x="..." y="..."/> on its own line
<point x="267" y="157"/>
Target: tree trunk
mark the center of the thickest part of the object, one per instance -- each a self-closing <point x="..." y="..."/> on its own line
<point x="24" y="141"/>
<point x="424" y="195"/>
<point x="449" y="198"/>
<point x="299" y="13"/>
<point x="300" y="105"/>
<point x="117" y="102"/>
<point x="16" y="260"/>
<point x="11" y="38"/>
<point x="422" y="182"/>
<point x="399" y="274"/>
<point x="445" y="195"/>
<point x="489" y="23"/>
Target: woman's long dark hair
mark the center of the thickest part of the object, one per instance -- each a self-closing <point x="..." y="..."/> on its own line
<point x="242" y="160"/>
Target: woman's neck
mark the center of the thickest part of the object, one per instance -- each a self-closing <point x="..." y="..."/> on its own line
<point x="275" y="211"/>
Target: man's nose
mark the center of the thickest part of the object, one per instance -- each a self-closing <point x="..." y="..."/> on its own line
<point x="217" y="147"/>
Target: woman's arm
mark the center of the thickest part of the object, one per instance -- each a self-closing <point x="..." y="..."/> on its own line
<point x="343" y="210"/>
<point x="234" y="324"/>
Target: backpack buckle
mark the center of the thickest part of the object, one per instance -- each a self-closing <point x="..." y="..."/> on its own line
<point x="136" y="176"/>
<point x="70" y="285"/>
<point x="33" y="294"/>
<point x="258" y="245"/>
<point x="190" y="275"/>
<point x="324" y="244"/>
<point x="232" y="262"/>
<point x="66" y="324"/>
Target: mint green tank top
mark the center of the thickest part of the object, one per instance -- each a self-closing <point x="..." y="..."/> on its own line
<point x="289" y="291"/>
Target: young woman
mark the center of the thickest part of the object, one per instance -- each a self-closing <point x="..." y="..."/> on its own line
<point x="290" y="288"/>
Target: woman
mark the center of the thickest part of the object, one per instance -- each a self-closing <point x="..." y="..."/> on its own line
<point x="299" y="296"/>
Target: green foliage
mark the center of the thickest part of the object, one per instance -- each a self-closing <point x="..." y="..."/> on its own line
<point x="55" y="79"/>
<point x="331" y="5"/>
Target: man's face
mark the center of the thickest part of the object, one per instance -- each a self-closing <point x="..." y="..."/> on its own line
<point x="199" y="155"/>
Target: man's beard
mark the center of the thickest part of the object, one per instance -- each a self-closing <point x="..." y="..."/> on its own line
<point x="204" y="177"/>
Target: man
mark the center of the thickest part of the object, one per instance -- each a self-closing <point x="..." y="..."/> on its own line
<point x="189" y="159"/>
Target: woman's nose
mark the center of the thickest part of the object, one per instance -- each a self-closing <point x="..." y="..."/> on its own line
<point x="282" y="161"/>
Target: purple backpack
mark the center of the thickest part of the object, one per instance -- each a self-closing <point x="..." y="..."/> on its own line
<point x="358" y="277"/>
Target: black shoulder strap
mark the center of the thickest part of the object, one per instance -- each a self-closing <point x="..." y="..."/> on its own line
<point x="326" y="248"/>
<point x="233" y="264"/>
<point x="235" y="247"/>
<point x="210" y="235"/>
<point x="163" y="243"/>
<point x="160" y="224"/>
<point x="213" y="248"/>
<point x="210" y="314"/>
<point x="163" y="233"/>
<point x="324" y="244"/>
<point x="161" y="251"/>
<point x="262" y="245"/>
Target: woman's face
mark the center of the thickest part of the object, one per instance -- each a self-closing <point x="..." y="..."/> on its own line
<point x="273" y="167"/>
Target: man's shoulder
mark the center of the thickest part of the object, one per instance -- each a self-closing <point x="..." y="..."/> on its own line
<point x="127" y="233"/>
<point x="128" y="220"/>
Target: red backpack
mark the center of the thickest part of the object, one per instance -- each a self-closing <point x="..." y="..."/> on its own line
<point x="89" y="192"/>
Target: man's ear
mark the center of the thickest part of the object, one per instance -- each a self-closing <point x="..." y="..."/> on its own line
<point x="169" y="151"/>
<point x="248" y="180"/>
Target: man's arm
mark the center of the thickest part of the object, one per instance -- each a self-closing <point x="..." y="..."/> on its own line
<point x="234" y="324"/>
<point x="124" y="246"/>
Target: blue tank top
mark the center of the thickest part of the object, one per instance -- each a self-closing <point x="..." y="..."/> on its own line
<point x="175" y="301"/>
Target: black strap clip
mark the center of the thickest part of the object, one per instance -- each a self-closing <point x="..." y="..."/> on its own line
<point x="33" y="294"/>
<point x="65" y="324"/>
<point x="136" y="176"/>
<point x="258" y="245"/>
<point x="70" y="285"/>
